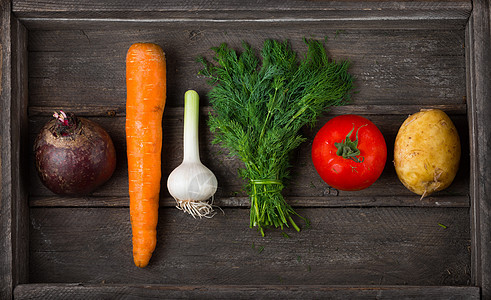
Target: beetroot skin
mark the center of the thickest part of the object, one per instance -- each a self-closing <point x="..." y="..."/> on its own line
<point x="75" y="156"/>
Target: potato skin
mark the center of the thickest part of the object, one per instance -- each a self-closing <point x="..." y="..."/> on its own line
<point x="427" y="152"/>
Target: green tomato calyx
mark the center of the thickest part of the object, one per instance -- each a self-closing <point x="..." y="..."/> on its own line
<point x="349" y="149"/>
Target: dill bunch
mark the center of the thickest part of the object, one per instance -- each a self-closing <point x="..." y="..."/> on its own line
<point x="259" y="107"/>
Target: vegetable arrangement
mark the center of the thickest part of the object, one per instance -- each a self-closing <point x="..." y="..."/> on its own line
<point x="259" y="110"/>
<point x="74" y="156"/>
<point x="191" y="183"/>
<point x="260" y="104"/>
<point x="349" y="153"/>
<point x="427" y="152"/>
<point x="146" y="95"/>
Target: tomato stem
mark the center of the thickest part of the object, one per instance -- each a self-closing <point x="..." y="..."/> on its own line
<point x="349" y="149"/>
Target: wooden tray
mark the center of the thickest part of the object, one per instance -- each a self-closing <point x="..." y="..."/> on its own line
<point x="382" y="242"/>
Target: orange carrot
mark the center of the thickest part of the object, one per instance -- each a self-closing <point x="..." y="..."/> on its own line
<point x="146" y="94"/>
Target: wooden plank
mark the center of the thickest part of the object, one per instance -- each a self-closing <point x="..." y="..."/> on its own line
<point x="120" y="110"/>
<point x="397" y="67"/>
<point x="327" y="201"/>
<point x="349" y="246"/>
<point x="233" y="10"/>
<point x="20" y="153"/>
<point x="13" y="145"/>
<point x="38" y="24"/>
<point x="6" y="264"/>
<point x="109" y="291"/>
<point x="479" y="93"/>
<point x="305" y="182"/>
<point x="380" y="243"/>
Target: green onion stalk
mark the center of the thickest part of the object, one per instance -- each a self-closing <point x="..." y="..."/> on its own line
<point x="260" y="104"/>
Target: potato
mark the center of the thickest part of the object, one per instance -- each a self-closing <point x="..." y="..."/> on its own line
<point x="427" y="152"/>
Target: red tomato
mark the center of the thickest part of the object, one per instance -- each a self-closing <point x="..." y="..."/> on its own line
<point x="349" y="153"/>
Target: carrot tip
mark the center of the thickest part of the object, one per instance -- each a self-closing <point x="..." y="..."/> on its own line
<point x="141" y="263"/>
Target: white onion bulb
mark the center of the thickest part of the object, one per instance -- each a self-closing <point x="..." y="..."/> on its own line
<point x="192" y="184"/>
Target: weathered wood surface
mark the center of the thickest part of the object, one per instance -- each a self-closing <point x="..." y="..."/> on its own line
<point x="243" y="201"/>
<point x="375" y="246"/>
<point x="392" y="67"/>
<point x="306" y="185"/>
<point x="20" y="150"/>
<point x="418" y="69"/>
<point x="111" y="291"/>
<point x="119" y="110"/>
<point x="6" y="267"/>
<point x="271" y="11"/>
<point x="479" y="93"/>
<point x="382" y="236"/>
<point x="13" y="154"/>
<point x="87" y="24"/>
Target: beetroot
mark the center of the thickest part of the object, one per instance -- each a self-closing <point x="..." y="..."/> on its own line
<point x="74" y="156"/>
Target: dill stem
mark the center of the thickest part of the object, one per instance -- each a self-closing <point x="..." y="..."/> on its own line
<point x="293" y="223"/>
<point x="263" y="130"/>
<point x="255" y="204"/>
<point x="299" y="112"/>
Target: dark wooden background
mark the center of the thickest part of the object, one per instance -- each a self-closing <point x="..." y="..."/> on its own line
<point x="405" y="56"/>
<point x="369" y="238"/>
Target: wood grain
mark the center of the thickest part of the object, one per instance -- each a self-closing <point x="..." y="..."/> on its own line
<point x="110" y="291"/>
<point x="239" y="10"/>
<point x="13" y="141"/>
<point x="411" y="67"/>
<point x="88" y="24"/>
<point x="382" y="246"/>
<point x="405" y="55"/>
<point x="479" y="93"/>
<point x="326" y="201"/>
<point x="20" y="150"/>
<point x="305" y="182"/>
<point x="6" y="266"/>
<point x="119" y="110"/>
